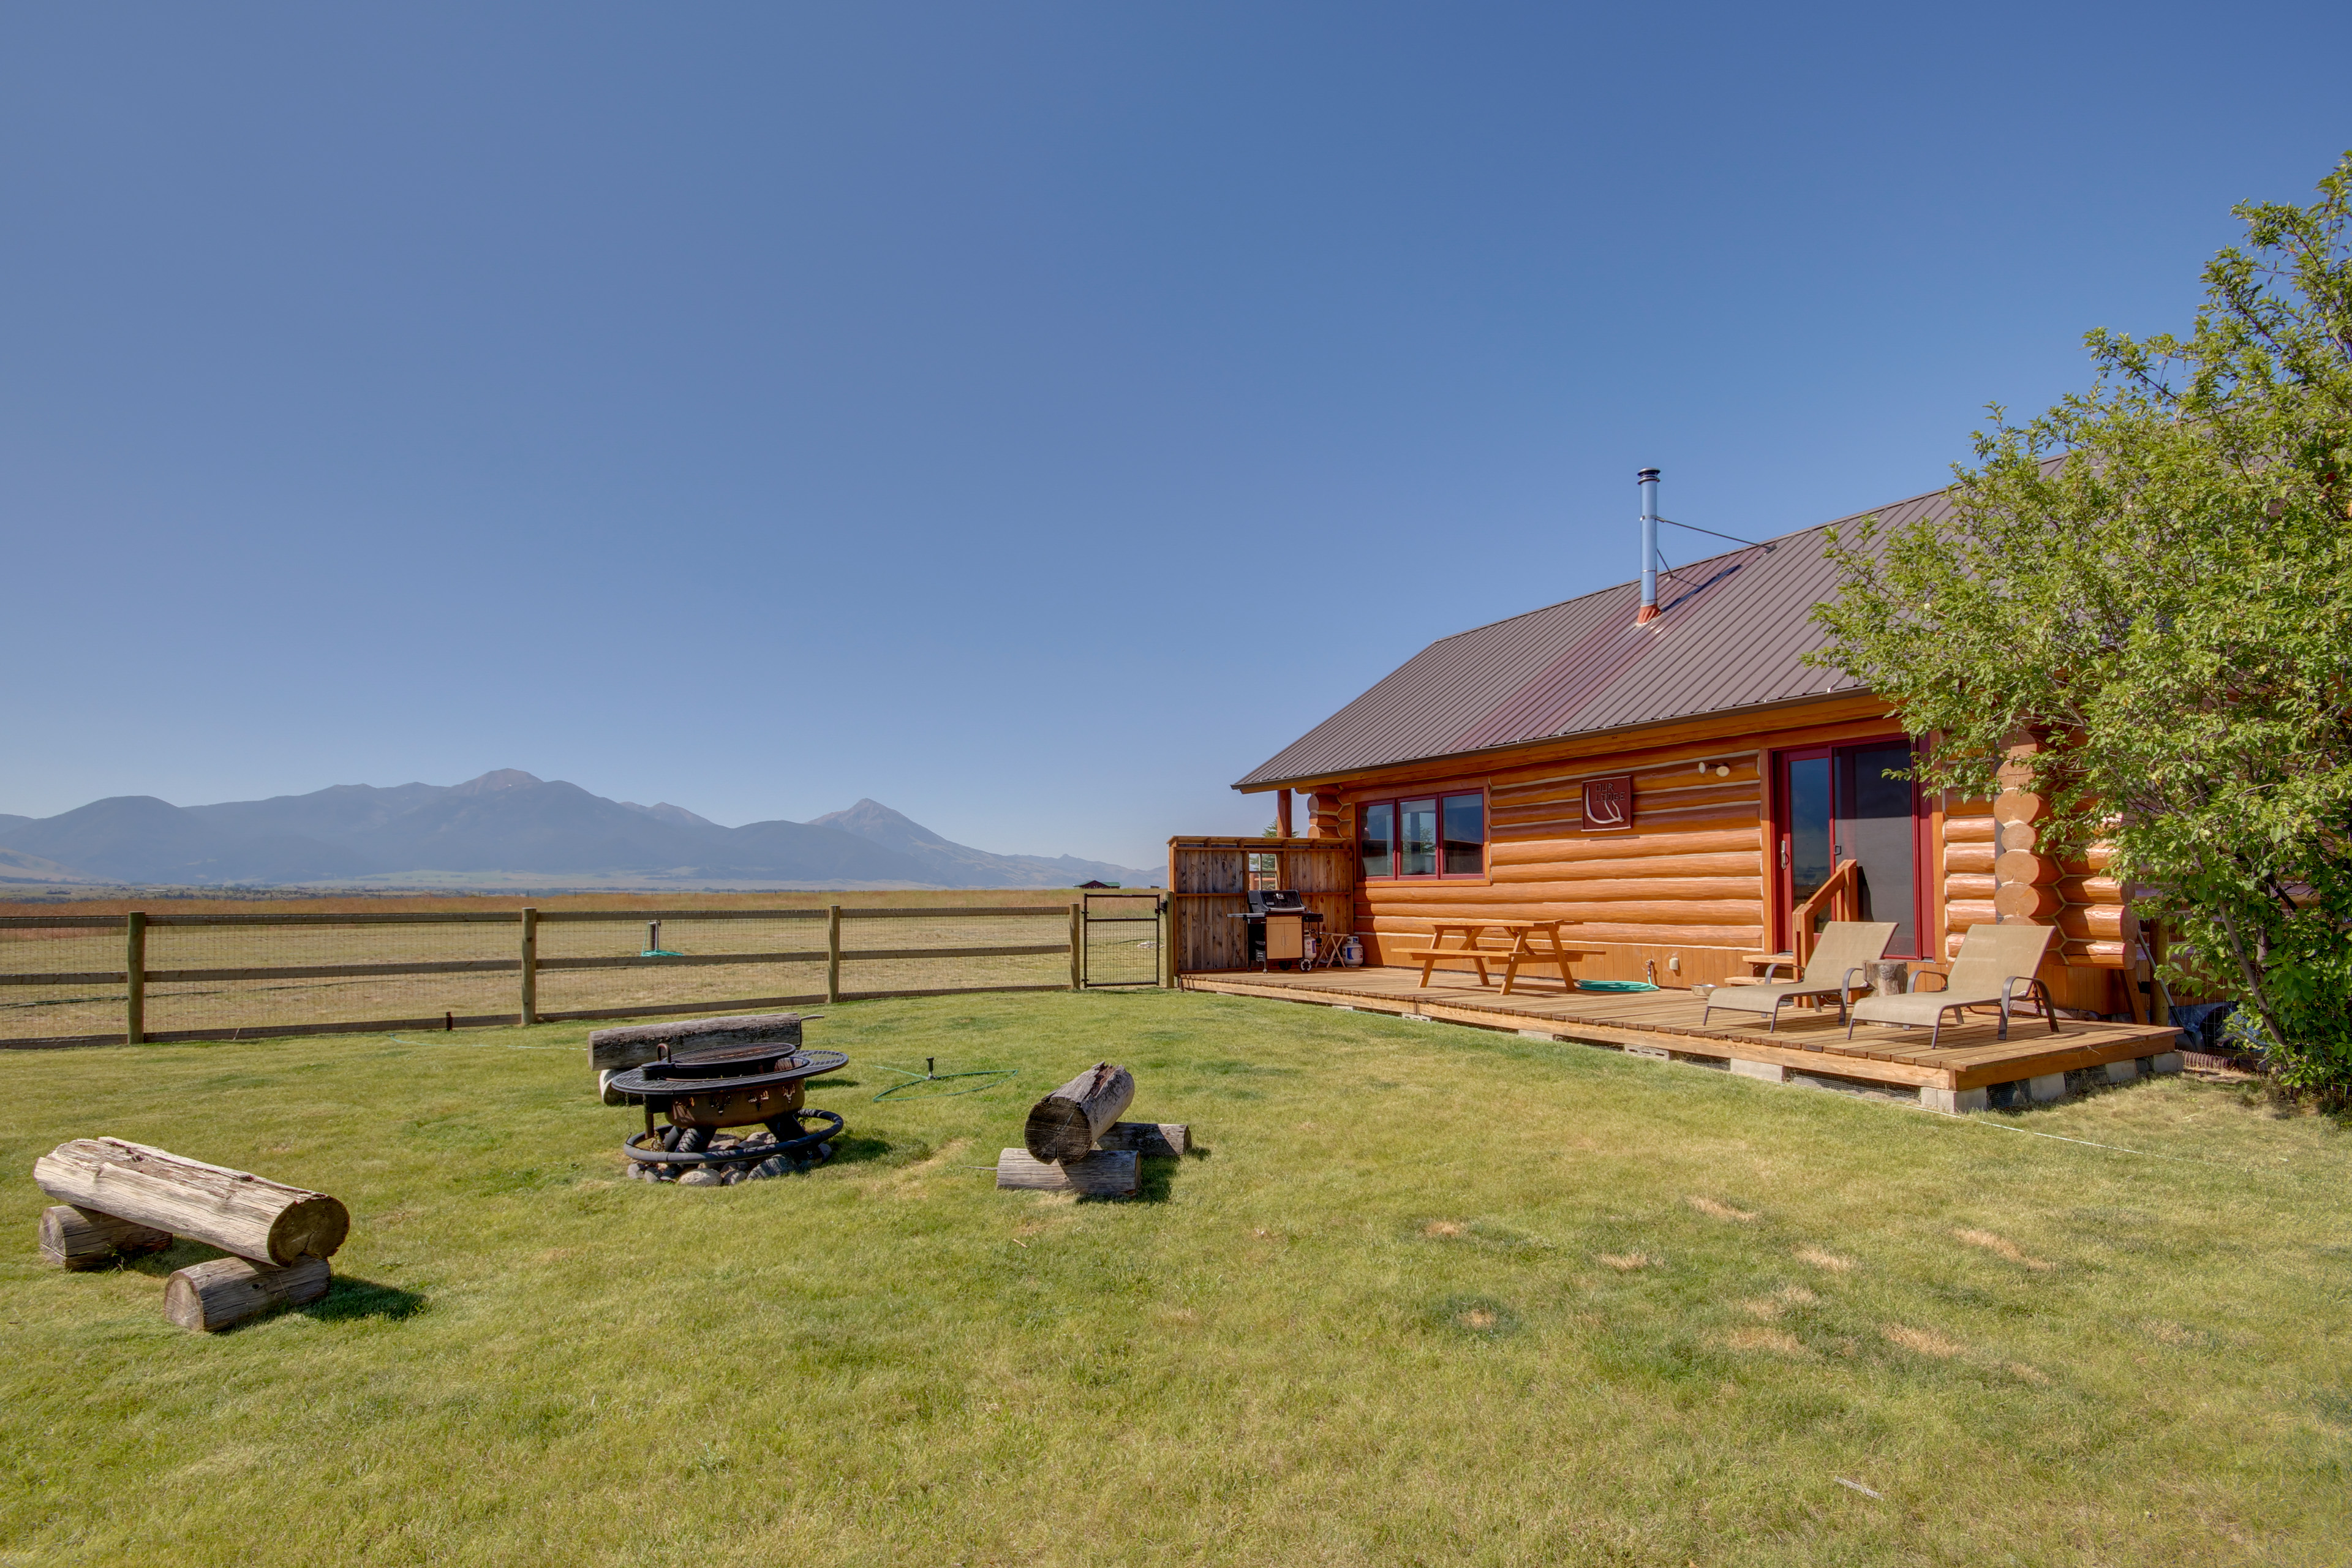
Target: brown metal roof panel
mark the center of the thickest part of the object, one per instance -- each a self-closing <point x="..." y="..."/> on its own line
<point x="1731" y="633"/>
<point x="1417" y="708"/>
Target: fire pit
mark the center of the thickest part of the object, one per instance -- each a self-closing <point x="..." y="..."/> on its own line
<point x="708" y="1096"/>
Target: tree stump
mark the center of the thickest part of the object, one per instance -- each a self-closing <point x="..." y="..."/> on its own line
<point x="226" y="1292"/>
<point x="83" y="1238"/>
<point x="1888" y="977"/>
<point x="1064" y="1125"/>
<point x="236" y="1210"/>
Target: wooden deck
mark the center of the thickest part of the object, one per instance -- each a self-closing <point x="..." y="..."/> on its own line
<point x="1969" y="1056"/>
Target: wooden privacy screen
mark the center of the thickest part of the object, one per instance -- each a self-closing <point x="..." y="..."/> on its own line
<point x="1208" y="876"/>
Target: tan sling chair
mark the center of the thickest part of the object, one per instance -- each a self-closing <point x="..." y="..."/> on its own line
<point x="1995" y="968"/>
<point x="1839" y="953"/>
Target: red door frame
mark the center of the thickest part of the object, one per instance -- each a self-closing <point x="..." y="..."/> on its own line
<point x="1778" y="929"/>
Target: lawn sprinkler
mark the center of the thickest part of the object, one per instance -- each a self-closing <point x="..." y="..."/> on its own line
<point x="654" y="949"/>
<point x="912" y="1088"/>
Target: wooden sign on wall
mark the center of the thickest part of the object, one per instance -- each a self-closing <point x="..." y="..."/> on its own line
<point x="1609" y="804"/>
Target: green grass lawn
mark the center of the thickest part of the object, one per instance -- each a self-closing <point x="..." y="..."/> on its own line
<point x="1425" y="1295"/>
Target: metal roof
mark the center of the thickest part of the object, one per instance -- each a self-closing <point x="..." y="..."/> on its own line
<point x="1731" y="632"/>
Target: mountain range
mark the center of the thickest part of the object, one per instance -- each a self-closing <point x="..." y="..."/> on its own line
<point x="506" y="823"/>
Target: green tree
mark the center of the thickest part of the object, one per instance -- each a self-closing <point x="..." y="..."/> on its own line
<point x="2151" y="578"/>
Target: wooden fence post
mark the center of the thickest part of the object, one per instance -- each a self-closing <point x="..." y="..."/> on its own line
<point x="530" y="998"/>
<point x="1078" y="946"/>
<point x="134" y="966"/>
<point x="1167" y="943"/>
<point x="832" y="953"/>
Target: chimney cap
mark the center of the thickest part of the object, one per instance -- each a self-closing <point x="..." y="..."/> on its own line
<point x="1645" y="476"/>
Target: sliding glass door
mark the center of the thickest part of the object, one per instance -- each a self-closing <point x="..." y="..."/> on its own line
<point x="1834" y="804"/>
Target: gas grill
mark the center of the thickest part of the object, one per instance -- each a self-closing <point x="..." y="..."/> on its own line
<point x="1278" y="923"/>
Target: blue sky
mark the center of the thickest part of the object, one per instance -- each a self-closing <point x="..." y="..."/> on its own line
<point x="1031" y="416"/>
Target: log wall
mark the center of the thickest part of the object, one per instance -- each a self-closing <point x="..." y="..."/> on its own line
<point x="1993" y="872"/>
<point x="1684" y="890"/>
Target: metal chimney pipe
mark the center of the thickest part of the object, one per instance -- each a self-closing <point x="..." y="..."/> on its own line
<point x="1648" y="480"/>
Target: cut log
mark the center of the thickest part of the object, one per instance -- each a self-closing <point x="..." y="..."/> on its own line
<point x="2018" y="806"/>
<point x="2092" y="891"/>
<point x="83" y="1238"/>
<point x="1106" y="1173"/>
<point x="1152" y="1140"/>
<point x="2023" y="900"/>
<point x="236" y="1210"/>
<point x="2021" y="866"/>
<point x="611" y="1050"/>
<point x="2096" y="922"/>
<point x="226" y="1292"/>
<point x="1064" y="1125"/>
<point x="1961" y="913"/>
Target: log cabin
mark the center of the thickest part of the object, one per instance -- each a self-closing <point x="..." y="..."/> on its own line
<point x="1656" y="765"/>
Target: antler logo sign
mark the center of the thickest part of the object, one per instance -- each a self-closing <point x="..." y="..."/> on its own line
<point x="1609" y="804"/>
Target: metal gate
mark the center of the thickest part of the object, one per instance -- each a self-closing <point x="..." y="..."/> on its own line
<point x="1123" y="938"/>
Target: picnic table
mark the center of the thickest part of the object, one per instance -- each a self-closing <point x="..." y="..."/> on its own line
<point x="1533" y="943"/>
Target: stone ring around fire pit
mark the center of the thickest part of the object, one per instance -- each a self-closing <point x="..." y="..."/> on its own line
<point x="666" y="1155"/>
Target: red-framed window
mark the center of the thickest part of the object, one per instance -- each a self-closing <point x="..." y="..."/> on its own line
<point x="1428" y="836"/>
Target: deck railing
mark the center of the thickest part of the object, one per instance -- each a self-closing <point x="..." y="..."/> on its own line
<point x="1839" y="899"/>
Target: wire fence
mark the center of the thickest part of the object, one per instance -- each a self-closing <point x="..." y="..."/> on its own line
<point x="107" y="979"/>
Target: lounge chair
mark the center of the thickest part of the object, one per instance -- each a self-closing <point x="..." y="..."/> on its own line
<point x="1839" y="953"/>
<point x="1995" y="968"/>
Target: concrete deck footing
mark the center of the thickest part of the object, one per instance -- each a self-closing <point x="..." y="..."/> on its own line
<point x="2169" y="1061"/>
<point x="2049" y="1086"/>
<point x="1955" y="1101"/>
<point x="1763" y="1072"/>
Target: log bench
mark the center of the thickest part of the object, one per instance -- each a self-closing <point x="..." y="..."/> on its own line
<point x="123" y="1199"/>
<point x="236" y="1210"/>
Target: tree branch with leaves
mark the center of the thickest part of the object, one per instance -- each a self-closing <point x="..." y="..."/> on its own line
<point x="2153" y="580"/>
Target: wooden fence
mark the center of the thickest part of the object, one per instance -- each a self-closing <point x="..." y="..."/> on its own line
<point x="1209" y="881"/>
<point x="437" y="958"/>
